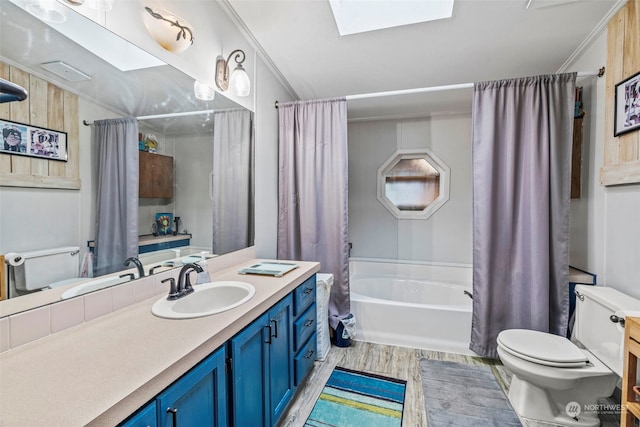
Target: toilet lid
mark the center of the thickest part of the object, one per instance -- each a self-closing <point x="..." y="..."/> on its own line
<point x="543" y="348"/>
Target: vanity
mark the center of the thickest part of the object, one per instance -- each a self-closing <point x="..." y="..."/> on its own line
<point x="132" y="368"/>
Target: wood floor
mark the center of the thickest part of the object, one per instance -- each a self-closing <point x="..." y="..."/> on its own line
<point x="397" y="362"/>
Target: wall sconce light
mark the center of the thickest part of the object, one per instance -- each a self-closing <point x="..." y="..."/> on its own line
<point x="170" y="31"/>
<point x="203" y="91"/>
<point x="239" y="79"/>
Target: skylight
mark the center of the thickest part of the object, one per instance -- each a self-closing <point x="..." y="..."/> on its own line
<point x="359" y="16"/>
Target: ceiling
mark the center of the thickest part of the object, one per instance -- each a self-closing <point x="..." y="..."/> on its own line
<point x="484" y="40"/>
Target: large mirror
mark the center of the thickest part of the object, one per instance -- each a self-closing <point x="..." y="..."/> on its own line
<point x="36" y="218"/>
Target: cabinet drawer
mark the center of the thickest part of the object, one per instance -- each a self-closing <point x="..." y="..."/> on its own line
<point x="304" y="360"/>
<point x="304" y="295"/>
<point x="304" y="327"/>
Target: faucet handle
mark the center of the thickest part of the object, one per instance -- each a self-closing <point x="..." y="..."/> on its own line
<point x="153" y="269"/>
<point x="173" y="291"/>
<point x="131" y="276"/>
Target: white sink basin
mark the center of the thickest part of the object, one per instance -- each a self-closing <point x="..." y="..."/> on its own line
<point x="208" y="298"/>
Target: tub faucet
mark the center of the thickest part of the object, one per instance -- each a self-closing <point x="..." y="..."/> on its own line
<point x="137" y="263"/>
<point x="184" y="283"/>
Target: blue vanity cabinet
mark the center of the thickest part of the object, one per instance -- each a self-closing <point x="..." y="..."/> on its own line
<point x="304" y="329"/>
<point x="199" y="398"/>
<point x="145" y="417"/>
<point x="262" y="368"/>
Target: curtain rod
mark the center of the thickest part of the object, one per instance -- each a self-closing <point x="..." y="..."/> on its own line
<point x="163" y="116"/>
<point x="598" y="73"/>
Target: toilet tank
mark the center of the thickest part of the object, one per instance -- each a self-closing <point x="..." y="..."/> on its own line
<point x="44" y="267"/>
<point x="595" y="330"/>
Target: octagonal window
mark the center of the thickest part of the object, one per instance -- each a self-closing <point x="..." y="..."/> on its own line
<point x="413" y="184"/>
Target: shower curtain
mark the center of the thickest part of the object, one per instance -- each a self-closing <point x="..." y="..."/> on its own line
<point x="522" y="137"/>
<point x="116" y="141"/>
<point x="312" y="192"/>
<point x="232" y="181"/>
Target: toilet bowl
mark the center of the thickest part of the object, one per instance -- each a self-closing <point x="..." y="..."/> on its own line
<point x="559" y="381"/>
<point x="550" y="373"/>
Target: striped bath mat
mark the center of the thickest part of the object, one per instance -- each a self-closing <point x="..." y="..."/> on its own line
<point x="352" y="398"/>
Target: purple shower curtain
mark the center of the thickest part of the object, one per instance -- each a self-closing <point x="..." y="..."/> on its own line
<point x="522" y="137"/>
<point x="312" y="192"/>
<point x="116" y="141"/>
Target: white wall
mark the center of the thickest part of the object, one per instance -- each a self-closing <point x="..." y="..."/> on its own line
<point x="373" y="230"/>
<point x="268" y="90"/>
<point x="605" y="222"/>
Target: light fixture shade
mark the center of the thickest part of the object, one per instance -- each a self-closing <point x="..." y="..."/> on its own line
<point x="168" y="30"/>
<point x="46" y="10"/>
<point x="239" y="82"/>
<point x="203" y="91"/>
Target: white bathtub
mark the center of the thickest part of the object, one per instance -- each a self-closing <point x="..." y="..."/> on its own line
<point x="412" y="305"/>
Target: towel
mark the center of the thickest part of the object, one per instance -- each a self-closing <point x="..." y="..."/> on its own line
<point x="86" y="266"/>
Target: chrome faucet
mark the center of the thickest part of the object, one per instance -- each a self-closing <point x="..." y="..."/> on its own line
<point x="137" y="263"/>
<point x="184" y="283"/>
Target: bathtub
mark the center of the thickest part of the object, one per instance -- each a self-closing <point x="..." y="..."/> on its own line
<point x="412" y="305"/>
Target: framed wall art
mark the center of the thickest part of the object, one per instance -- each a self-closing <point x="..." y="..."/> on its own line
<point x="33" y="141"/>
<point x="627" y="107"/>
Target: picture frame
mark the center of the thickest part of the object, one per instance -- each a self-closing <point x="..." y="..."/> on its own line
<point x="164" y="222"/>
<point x="627" y="105"/>
<point x="33" y="141"/>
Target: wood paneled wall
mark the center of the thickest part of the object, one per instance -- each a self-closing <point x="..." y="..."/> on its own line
<point x="621" y="154"/>
<point x="50" y="107"/>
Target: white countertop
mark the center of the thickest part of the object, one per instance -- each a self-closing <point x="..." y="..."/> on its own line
<point x="99" y="372"/>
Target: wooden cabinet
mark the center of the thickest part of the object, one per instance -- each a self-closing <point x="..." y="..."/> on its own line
<point x="199" y="398"/>
<point x="156" y="175"/>
<point x="262" y="368"/>
<point x="630" y="405"/>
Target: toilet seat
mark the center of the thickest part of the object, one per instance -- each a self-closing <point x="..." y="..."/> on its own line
<point x="542" y="348"/>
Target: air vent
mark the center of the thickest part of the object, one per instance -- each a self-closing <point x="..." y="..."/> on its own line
<point x="65" y="71"/>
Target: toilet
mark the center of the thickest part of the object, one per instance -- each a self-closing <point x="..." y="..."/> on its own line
<point x="558" y="381"/>
<point x="43" y="269"/>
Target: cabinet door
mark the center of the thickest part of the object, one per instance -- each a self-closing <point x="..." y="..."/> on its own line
<point x="156" y="175"/>
<point x="250" y="374"/>
<point x="280" y="358"/>
<point x="199" y="398"/>
<point x="145" y="417"/>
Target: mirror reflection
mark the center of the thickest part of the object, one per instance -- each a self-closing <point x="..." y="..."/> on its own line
<point x="412" y="184"/>
<point x="208" y="155"/>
